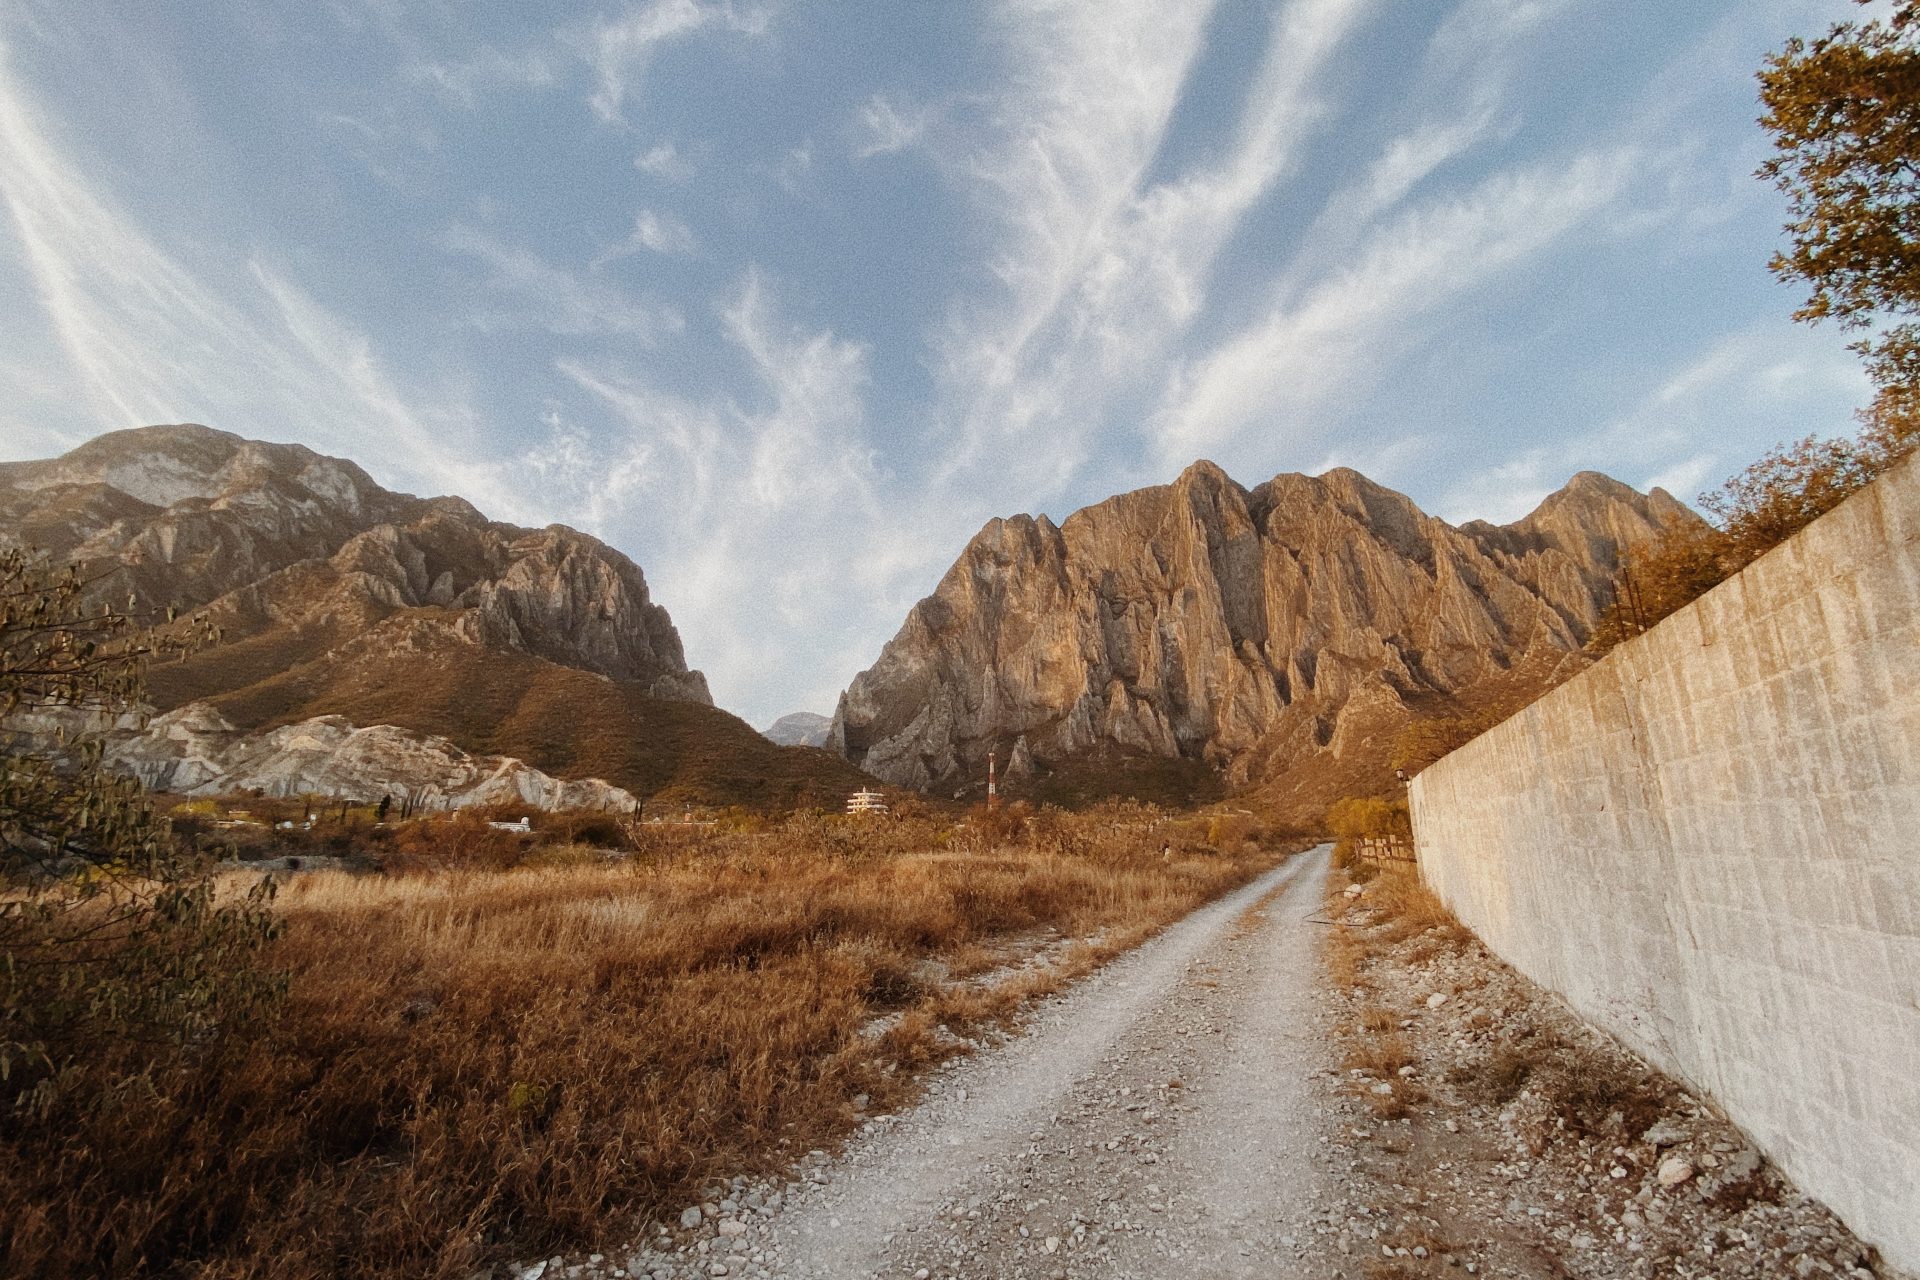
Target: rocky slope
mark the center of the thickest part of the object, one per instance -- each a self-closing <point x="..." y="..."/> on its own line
<point x="197" y="751"/>
<point x="1284" y="632"/>
<point x="283" y="545"/>
<point x="336" y="597"/>
<point x="800" y="729"/>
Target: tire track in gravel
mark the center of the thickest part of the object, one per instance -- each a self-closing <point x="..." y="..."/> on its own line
<point x="1166" y="1116"/>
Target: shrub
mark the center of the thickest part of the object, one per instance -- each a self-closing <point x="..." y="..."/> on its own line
<point x="1365" y="817"/>
<point x="1755" y="511"/>
<point x="462" y="840"/>
<point x="479" y="1064"/>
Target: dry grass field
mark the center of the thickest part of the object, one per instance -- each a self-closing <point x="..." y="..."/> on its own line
<point x="478" y="1062"/>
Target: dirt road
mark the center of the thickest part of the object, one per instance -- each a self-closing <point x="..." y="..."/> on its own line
<point x="1166" y="1117"/>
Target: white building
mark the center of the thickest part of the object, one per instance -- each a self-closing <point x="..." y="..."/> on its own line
<point x="866" y="802"/>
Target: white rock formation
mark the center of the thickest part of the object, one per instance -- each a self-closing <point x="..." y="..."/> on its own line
<point x="194" y="750"/>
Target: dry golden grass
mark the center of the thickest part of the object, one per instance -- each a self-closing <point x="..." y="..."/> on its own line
<point x="1412" y="909"/>
<point x="476" y="1063"/>
<point x="1589" y="1088"/>
<point x="1374" y="1043"/>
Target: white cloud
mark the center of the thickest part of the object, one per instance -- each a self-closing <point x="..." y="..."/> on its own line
<point x="795" y="169"/>
<point x="762" y="516"/>
<point x="885" y="129"/>
<point x="1311" y="348"/>
<point x="663" y="160"/>
<point x="150" y="335"/>
<point x="1738" y="395"/>
<point x="663" y="233"/>
<point x="1102" y="268"/>
<point x="556" y="299"/>
<point x="1411" y="158"/>
<point x="1716" y="410"/>
<point x="621" y="51"/>
<point x="653" y="232"/>
<point x="1683" y="479"/>
<point x="465" y="81"/>
<point x="1505" y="492"/>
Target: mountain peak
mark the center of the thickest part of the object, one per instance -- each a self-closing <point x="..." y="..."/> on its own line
<point x="301" y="552"/>
<point x="1246" y="638"/>
<point x="799" y="729"/>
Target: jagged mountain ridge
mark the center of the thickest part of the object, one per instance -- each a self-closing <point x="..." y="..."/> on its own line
<point x="1253" y="631"/>
<point x="275" y="538"/>
<point x="800" y="729"/>
<point x="337" y="597"/>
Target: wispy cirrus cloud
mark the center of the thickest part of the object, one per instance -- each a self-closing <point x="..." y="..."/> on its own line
<point x="663" y="160"/>
<point x="653" y="232"/>
<point x="784" y="474"/>
<point x="616" y="53"/>
<point x="151" y="337"/>
<point x="466" y="81"/>
<point x="1679" y="435"/>
<point x="550" y="297"/>
<point x="1104" y="265"/>
<point x="620" y="50"/>
<point x="884" y="128"/>
<point x="1319" y="344"/>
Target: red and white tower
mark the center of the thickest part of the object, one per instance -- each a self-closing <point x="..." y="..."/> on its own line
<point x="993" y="781"/>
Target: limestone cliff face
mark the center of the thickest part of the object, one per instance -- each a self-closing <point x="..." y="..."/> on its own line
<point x="299" y="553"/>
<point x="1247" y="629"/>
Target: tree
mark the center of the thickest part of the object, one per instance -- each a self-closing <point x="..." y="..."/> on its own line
<point x="1844" y="111"/>
<point x="113" y="951"/>
<point x="1653" y="581"/>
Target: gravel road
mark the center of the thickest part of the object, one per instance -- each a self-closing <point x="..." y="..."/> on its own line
<point x="1167" y="1116"/>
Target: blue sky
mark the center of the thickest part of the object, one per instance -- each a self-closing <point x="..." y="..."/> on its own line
<point x="785" y="300"/>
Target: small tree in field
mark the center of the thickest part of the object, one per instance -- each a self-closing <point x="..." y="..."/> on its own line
<point x="113" y="952"/>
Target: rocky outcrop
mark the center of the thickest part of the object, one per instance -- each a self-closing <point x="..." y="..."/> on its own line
<point x="1250" y="630"/>
<point x="800" y="729"/>
<point x="295" y="553"/>
<point x="195" y="751"/>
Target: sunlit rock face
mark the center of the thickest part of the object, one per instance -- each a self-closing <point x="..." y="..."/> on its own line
<point x="300" y="554"/>
<point x="1249" y="629"/>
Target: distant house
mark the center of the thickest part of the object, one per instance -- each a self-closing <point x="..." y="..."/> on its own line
<point x="866" y="802"/>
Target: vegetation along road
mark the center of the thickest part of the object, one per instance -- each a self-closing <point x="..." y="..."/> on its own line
<point x="1163" y="1115"/>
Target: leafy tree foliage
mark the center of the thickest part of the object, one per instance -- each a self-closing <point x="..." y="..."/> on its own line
<point x="1369" y="816"/>
<point x="115" y="957"/>
<point x="1762" y="506"/>
<point x="1844" y="111"/>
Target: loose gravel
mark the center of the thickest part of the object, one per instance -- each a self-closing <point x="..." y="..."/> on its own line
<point x="1188" y="1111"/>
<point x="1170" y="1115"/>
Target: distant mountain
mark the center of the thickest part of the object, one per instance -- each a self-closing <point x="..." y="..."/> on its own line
<point x="800" y="729"/>
<point x="1195" y="637"/>
<point x="337" y="597"/>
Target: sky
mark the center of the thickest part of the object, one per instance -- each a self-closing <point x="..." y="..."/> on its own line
<point x="786" y="300"/>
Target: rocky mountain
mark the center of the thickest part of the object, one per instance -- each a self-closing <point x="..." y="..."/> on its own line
<point x="294" y="552"/>
<point x="196" y="751"/>
<point x="800" y="729"/>
<point x="1207" y="634"/>
<point x="337" y="597"/>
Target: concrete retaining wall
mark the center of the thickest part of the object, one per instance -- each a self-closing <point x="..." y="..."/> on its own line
<point x="1709" y="843"/>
